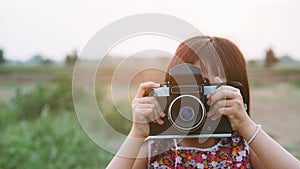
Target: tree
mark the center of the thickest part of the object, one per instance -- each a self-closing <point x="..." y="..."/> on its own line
<point x="252" y="63"/>
<point x="47" y="61"/>
<point x="71" y="58"/>
<point x="2" y="60"/>
<point x="36" y="59"/>
<point x="39" y="59"/>
<point x="270" y="59"/>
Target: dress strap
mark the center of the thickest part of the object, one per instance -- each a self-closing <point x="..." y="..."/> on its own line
<point x="175" y="143"/>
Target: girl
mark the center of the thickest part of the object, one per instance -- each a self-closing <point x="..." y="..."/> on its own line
<point x="249" y="146"/>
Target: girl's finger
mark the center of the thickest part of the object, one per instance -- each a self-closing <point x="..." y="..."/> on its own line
<point x="144" y="100"/>
<point x="150" y="102"/>
<point x="160" y="111"/>
<point x="143" y="105"/>
<point x="145" y="113"/>
<point x="150" y="111"/>
<point x="226" y="111"/>
<point x="221" y="103"/>
<point x="223" y="94"/>
<point x="144" y="87"/>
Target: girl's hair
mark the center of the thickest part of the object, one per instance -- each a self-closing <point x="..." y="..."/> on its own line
<point x="222" y="57"/>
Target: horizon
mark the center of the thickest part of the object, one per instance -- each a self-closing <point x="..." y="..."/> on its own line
<point x="118" y="57"/>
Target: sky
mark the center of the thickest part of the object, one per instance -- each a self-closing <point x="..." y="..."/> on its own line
<point x="54" y="28"/>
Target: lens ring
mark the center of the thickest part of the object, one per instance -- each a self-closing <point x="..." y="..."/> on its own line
<point x="189" y="115"/>
<point x="186" y="128"/>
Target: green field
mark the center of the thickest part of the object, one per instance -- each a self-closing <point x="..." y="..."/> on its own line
<point x="40" y="129"/>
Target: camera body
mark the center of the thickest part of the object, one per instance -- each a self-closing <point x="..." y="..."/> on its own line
<point x="183" y="100"/>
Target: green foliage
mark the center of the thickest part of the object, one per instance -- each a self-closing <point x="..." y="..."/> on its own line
<point x="294" y="149"/>
<point x="44" y="97"/>
<point x="61" y="94"/>
<point x="296" y="85"/>
<point x="285" y="69"/>
<point x="54" y="69"/>
<point x="7" y="116"/>
<point x="47" y="61"/>
<point x="272" y="136"/>
<point x="55" y="141"/>
<point x="252" y="63"/>
<point x="30" y="104"/>
<point x="117" y="118"/>
<point x="40" y="129"/>
<point x="39" y="59"/>
<point x="71" y="58"/>
<point x="118" y="121"/>
<point x="2" y="60"/>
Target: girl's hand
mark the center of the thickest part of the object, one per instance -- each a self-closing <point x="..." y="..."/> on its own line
<point x="145" y="110"/>
<point x="227" y="100"/>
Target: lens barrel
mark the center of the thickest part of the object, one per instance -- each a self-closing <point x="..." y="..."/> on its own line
<point x="186" y="112"/>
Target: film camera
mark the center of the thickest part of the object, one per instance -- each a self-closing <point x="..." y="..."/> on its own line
<point x="183" y="100"/>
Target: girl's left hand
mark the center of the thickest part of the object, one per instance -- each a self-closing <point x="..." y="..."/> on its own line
<point x="227" y="100"/>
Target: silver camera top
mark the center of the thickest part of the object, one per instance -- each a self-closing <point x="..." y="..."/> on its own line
<point x="165" y="90"/>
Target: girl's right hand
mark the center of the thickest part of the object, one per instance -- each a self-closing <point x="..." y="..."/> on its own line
<point x="145" y="110"/>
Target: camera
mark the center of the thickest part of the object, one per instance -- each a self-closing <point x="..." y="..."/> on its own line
<point x="183" y="99"/>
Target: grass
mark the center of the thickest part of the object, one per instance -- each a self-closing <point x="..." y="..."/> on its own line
<point x="53" y="68"/>
<point x="278" y="69"/>
<point x="55" y="141"/>
<point x="40" y="129"/>
<point x="294" y="149"/>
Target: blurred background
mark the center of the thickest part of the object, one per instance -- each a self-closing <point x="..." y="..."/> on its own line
<point x="40" y="42"/>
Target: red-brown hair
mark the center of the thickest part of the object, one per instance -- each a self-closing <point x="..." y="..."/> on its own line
<point x="223" y="56"/>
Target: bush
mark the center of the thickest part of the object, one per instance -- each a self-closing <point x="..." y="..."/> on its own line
<point x="40" y="129"/>
<point x="61" y="94"/>
<point x="113" y="117"/>
<point x="56" y="141"/>
<point x="44" y="97"/>
<point x="118" y="121"/>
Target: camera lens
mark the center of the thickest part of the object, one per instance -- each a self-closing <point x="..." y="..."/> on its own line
<point x="186" y="112"/>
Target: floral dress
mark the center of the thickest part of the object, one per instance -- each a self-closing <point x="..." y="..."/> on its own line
<point x="228" y="153"/>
